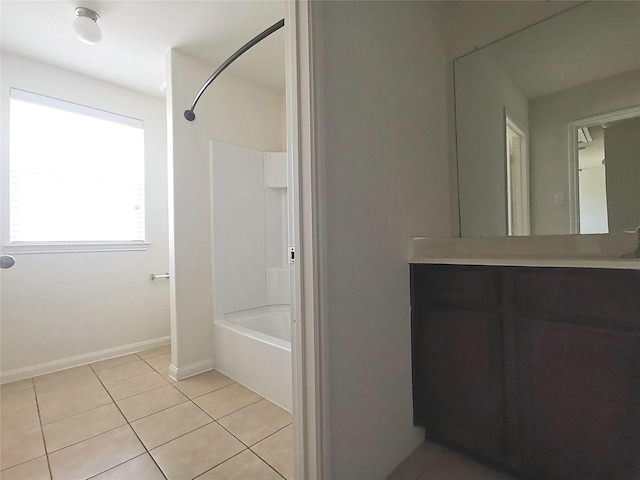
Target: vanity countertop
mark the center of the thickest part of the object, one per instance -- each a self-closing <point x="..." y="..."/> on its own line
<point x="533" y="261"/>
<point x="575" y="251"/>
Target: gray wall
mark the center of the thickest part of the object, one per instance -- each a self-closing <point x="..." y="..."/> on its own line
<point x="549" y="117"/>
<point x="382" y="77"/>
<point x="483" y="93"/>
<point x="622" y="153"/>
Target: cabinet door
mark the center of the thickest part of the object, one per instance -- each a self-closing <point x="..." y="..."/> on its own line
<point x="461" y="384"/>
<point x="580" y="401"/>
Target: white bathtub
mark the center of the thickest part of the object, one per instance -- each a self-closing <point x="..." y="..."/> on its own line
<point x="254" y="348"/>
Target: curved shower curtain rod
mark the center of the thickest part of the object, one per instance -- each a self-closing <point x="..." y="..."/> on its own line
<point x="188" y="114"/>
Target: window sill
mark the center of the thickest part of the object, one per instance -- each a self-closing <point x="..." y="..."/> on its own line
<point x="74" y="247"/>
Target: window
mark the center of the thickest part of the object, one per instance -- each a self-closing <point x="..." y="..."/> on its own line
<point x="76" y="173"/>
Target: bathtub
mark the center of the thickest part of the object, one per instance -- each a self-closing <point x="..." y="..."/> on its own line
<point x="254" y="348"/>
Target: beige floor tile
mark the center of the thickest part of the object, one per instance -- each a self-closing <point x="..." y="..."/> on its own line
<point x="203" y="383"/>
<point x="150" y="402"/>
<point x="19" y="420"/>
<point x="114" y="362"/>
<point x="77" y="385"/>
<point x="227" y="400"/>
<point x="166" y="425"/>
<point x="36" y="469"/>
<point x="192" y="454"/>
<point x="62" y="375"/>
<point x="154" y="352"/>
<point x="63" y="406"/>
<point x="412" y="466"/>
<point x="80" y="427"/>
<point x="394" y="476"/>
<point x="159" y="362"/>
<point x="433" y="462"/>
<point x="164" y="372"/>
<point x="135" y="385"/>
<point x="462" y="468"/>
<point x="257" y="421"/>
<point x="140" y="468"/>
<point x="17" y="400"/>
<point x="277" y="451"/>
<point x="115" y="374"/>
<point x="16" y="386"/>
<point x="244" y="466"/>
<point x="95" y="455"/>
<point x="19" y="447"/>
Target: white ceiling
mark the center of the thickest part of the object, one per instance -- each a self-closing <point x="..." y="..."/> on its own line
<point x="136" y="36"/>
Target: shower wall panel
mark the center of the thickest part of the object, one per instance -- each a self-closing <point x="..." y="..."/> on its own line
<point x="239" y="245"/>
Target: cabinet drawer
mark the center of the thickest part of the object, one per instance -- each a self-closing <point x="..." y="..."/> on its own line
<point x="456" y="286"/>
<point x="606" y="298"/>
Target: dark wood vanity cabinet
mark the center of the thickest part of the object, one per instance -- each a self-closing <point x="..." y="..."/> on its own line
<point x="537" y="369"/>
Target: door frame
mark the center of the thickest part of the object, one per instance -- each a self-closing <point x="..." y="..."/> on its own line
<point x="522" y="210"/>
<point x="574" y="170"/>
<point x="306" y="228"/>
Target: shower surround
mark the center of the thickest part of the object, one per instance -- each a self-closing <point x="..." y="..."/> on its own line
<point x="252" y="326"/>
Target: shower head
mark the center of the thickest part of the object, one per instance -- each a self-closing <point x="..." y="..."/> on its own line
<point x="189" y="115"/>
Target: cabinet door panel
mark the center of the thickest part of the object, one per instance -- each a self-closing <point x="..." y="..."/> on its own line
<point x="581" y="398"/>
<point x="463" y="384"/>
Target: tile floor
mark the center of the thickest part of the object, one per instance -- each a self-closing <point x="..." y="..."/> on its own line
<point x="125" y="419"/>
<point x="433" y="462"/>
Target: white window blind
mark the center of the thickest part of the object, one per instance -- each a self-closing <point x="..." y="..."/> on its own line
<point x="76" y="173"/>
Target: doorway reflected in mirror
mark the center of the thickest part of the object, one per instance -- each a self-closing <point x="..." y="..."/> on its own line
<point x="608" y="156"/>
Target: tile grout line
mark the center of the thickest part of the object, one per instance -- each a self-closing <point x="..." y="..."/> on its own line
<point x="247" y="447"/>
<point x="130" y="427"/>
<point x="226" y="414"/>
<point x="116" y="466"/>
<point x="88" y="438"/>
<point x="159" y="411"/>
<point x="264" y="460"/>
<point x="272" y="434"/>
<point x="93" y="372"/>
<point x="90" y="363"/>
<point x="179" y="436"/>
<point x="128" y="423"/>
<point x="44" y="440"/>
<point x="217" y="389"/>
<point x="215" y="466"/>
<point x="153" y="370"/>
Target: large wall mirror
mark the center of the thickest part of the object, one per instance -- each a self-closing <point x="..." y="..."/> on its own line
<point x="548" y="126"/>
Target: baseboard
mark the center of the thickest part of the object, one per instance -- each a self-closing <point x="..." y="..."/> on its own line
<point x="180" y="373"/>
<point x="69" y="362"/>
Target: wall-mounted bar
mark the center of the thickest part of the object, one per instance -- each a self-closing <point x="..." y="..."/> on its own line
<point x="153" y="276"/>
<point x="189" y="114"/>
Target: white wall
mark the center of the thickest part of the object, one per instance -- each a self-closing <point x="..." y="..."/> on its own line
<point x="382" y="80"/>
<point x="549" y="118"/>
<point x="239" y="237"/>
<point x="483" y="93"/>
<point x="60" y="305"/>
<point x="234" y="111"/>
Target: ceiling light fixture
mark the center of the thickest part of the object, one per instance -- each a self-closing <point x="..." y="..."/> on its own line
<point x="86" y="27"/>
